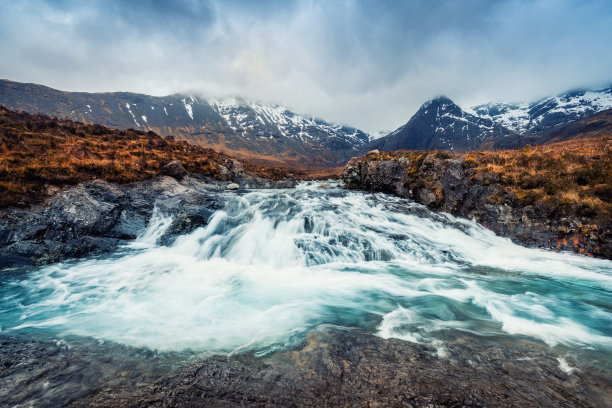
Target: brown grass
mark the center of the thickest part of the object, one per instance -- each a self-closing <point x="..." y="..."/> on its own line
<point x="39" y="154"/>
<point x="570" y="178"/>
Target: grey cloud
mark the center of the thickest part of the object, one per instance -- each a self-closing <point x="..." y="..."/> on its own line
<point x="366" y="63"/>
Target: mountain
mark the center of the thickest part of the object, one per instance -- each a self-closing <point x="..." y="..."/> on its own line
<point x="258" y="132"/>
<point x="537" y="117"/>
<point x="254" y="120"/>
<point x="441" y="124"/>
<point x="259" y="124"/>
<point x="599" y="124"/>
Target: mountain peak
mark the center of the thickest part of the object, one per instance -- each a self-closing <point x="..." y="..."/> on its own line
<point x="438" y="106"/>
<point x="438" y="101"/>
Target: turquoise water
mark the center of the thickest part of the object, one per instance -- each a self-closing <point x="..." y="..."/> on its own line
<point x="273" y="265"/>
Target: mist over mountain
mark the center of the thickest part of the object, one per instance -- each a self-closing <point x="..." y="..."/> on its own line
<point x="259" y="132"/>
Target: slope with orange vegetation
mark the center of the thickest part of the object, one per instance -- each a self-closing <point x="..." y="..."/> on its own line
<point x="556" y="196"/>
<point x="39" y="154"/>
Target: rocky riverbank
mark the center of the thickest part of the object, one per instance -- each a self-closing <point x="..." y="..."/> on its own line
<point x="95" y="217"/>
<point x="334" y="367"/>
<point x="553" y="196"/>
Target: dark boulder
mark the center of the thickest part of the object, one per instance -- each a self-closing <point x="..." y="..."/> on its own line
<point x="95" y="217"/>
<point x="175" y="169"/>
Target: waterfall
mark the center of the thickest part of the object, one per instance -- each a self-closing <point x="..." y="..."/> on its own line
<point x="273" y="265"/>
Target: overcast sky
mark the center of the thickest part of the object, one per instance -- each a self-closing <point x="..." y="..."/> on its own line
<point x="369" y="64"/>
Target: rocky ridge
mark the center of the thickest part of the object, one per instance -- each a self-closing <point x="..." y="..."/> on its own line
<point x="546" y="113"/>
<point x="441" y="124"/>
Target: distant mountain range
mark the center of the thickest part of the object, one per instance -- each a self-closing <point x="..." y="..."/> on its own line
<point x="258" y="132"/>
<point x="441" y="124"/>
<point x="539" y="116"/>
<point x="272" y="134"/>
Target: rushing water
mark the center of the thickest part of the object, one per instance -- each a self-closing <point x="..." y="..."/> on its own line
<point x="273" y="265"/>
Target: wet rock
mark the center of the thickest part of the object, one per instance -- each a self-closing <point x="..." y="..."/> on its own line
<point x="175" y="169"/>
<point x="248" y="181"/>
<point x="189" y="213"/>
<point x="344" y="368"/>
<point x="443" y="183"/>
<point x="51" y="374"/>
<point x="95" y="217"/>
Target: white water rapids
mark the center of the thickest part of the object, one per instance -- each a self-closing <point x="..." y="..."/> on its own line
<point x="273" y="265"/>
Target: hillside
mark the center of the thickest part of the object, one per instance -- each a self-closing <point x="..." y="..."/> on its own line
<point x="556" y="196"/>
<point x="599" y="124"/>
<point x="442" y="124"/>
<point x="261" y="133"/>
<point x="541" y="115"/>
<point x="39" y="154"/>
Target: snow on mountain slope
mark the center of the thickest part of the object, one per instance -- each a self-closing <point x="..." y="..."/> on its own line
<point x="548" y="112"/>
<point x="441" y="124"/>
<point x="254" y="131"/>
<point x="254" y="120"/>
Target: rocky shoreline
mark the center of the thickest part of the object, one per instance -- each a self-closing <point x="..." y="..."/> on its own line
<point x="333" y="367"/>
<point x="453" y="183"/>
<point x="95" y="217"/>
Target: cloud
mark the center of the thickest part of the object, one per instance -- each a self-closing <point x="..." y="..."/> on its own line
<point x="366" y="63"/>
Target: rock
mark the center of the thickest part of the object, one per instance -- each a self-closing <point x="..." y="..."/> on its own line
<point x="175" y="169"/>
<point x="375" y="151"/>
<point x="189" y="213"/>
<point x="93" y="218"/>
<point x="55" y="373"/>
<point x="248" y="181"/>
<point x="445" y="183"/>
<point x="350" y="368"/>
<point x="224" y="173"/>
<point x="236" y="166"/>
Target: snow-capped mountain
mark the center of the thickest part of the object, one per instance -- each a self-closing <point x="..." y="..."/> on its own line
<point x="441" y="124"/>
<point x="546" y="113"/>
<point x="255" y="131"/>
<point x="255" y="120"/>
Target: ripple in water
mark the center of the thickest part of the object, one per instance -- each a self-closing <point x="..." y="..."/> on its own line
<point x="273" y="265"/>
